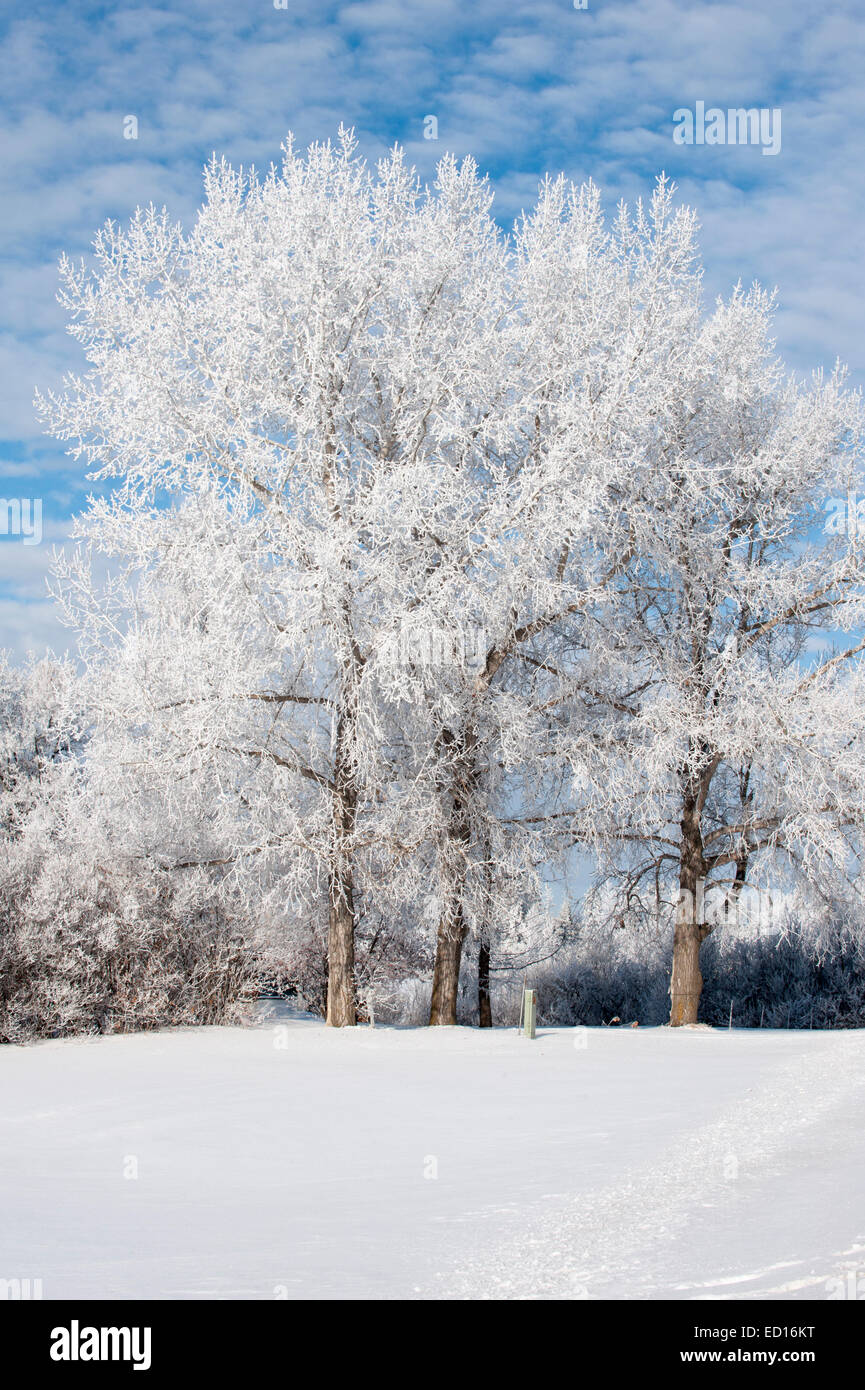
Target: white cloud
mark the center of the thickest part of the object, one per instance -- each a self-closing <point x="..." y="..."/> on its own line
<point x="525" y="88"/>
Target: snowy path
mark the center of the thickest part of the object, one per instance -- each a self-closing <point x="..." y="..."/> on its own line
<point x="451" y="1163"/>
<point x="765" y="1201"/>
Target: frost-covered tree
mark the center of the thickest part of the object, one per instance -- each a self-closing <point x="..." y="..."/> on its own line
<point x="95" y="933"/>
<point x="39" y="727"/>
<point x="275" y="395"/>
<point x="534" y="527"/>
<point x="723" y="733"/>
<point x="432" y="551"/>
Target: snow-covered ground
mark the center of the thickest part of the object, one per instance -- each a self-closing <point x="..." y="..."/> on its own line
<point x="288" y="1160"/>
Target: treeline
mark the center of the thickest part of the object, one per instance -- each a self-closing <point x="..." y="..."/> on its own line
<point x="92" y="941"/>
<point x="428" y="556"/>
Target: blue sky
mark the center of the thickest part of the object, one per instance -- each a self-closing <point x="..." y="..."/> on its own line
<point x="524" y="87"/>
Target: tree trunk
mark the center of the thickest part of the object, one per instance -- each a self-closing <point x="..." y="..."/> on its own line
<point x="462" y="748"/>
<point x="341" y="1012"/>
<point x="446" y="971"/>
<point x="485" y="1011"/>
<point x="686" y="982"/>
<point x="452" y="928"/>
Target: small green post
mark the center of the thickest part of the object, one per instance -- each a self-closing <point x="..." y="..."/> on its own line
<point x="530" y="1010"/>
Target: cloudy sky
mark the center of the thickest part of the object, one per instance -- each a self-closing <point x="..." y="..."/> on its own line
<point x="526" y="87"/>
